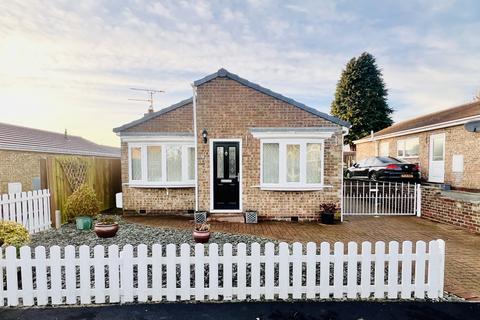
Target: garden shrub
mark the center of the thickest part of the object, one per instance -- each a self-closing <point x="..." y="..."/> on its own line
<point x="13" y="234"/>
<point x="82" y="202"/>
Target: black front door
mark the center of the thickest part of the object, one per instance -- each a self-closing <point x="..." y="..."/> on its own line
<point x="226" y="186"/>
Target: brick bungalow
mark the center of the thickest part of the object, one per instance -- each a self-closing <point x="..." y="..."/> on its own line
<point x="24" y="153"/>
<point x="439" y="142"/>
<point x="446" y="145"/>
<point x="235" y="146"/>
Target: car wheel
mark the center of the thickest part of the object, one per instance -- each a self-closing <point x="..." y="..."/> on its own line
<point x="374" y="176"/>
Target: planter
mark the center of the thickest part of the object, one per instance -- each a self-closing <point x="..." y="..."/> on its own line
<point x="83" y="222"/>
<point x="327" y="218"/>
<point x="201" y="236"/>
<point x="106" y="230"/>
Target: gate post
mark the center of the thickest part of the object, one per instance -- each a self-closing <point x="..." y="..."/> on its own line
<point x="419" y="199"/>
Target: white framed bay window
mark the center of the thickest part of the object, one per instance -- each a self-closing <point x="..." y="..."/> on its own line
<point x="292" y="164"/>
<point x="161" y="164"/>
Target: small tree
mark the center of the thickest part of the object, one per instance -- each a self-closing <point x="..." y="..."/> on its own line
<point x="82" y="202"/>
<point x="361" y="98"/>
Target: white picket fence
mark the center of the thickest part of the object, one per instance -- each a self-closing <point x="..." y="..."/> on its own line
<point x="31" y="209"/>
<point x="165" y="273"/>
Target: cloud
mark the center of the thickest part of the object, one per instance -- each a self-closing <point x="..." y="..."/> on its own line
<point x="62" y="62"/>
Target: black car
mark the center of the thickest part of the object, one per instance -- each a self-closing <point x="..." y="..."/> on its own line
<point x="383" y="168"/>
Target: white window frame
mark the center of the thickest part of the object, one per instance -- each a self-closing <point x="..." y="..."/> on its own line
<point x="282" y="184"/>
<point x="401" y="147"/>
<point x="143" y="182"/>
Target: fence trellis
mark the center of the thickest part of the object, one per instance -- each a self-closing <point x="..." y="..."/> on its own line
<point x="166" y="273"/>
<point x="31" y="209"/>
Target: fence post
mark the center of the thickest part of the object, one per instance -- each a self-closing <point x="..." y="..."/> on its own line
<point x="419" y="200"/>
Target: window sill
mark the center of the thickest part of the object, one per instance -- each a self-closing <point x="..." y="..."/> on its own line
<point x="160" y="186"/>
<point x="296" y="188"/>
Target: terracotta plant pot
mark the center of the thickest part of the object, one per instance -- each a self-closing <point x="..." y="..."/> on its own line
<point x="201" y="236"/>
<point x="106" y="230"/>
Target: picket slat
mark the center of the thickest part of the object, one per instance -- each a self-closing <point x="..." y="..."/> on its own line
<point x="185" y="271"/>
<point x="242" y="271"/>
<point x="99" y="273"/>
<point x="255" y="271"/>
<point x="213" y="269"/>
<point x="56" y="274"/>
<point x="31" y="209"/>
<point x="75" y="279"/>
<point x="142" y="276"/>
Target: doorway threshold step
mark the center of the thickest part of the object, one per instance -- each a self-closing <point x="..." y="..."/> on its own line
<point x="226" y="217"/>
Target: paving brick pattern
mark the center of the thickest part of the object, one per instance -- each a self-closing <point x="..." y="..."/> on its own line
<point x="462" y="271"/>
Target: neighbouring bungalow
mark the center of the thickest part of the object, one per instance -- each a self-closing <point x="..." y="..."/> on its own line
<point x="32" y="159"/>
<point x="234" y="146"/>
<point x="443" y="143"/>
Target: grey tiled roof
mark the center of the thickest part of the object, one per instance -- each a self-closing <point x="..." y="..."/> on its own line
<point x="20" y="138"/>
<point x="223" y="73"/>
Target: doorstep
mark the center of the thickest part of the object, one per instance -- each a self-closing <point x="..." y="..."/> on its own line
<point x="226" y="217"/>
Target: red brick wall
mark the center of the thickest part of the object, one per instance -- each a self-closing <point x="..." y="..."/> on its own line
<point x="440" y="208"/>
<point x="178" y="120"/>
<point x="227" y="109"/>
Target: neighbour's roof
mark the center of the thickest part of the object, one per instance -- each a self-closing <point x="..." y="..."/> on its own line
<point x="436" y="118"/>
<point x="223" y="73"/>
<point x="20" y="138"/>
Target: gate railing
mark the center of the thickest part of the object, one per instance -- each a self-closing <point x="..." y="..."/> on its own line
<point x="381" y="198"/>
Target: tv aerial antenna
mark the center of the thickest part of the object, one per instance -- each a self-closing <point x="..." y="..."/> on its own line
<point x="150" y="92"/>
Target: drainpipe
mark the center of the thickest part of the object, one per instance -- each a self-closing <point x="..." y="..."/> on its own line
<point x="344" y="133"/>
<point x="194" y="99"/>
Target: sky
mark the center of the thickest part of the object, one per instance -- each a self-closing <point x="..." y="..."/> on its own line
<point x="70" y="64"/>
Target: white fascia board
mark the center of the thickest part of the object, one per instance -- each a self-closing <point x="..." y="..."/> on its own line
<point x="420" y="129"/>
<point x="159" y="138"/>
<point x="292" y="134"/>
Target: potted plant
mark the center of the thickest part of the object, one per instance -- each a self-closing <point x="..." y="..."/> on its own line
<point x="82" y="205"/>
<point x="106" y="227"/>
<point x="201" y="233"/>
<point x="327" y="212"/>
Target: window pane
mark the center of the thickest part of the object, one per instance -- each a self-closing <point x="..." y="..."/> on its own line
<point x="314" y="163"/>
<point x="411" y="147"/>
<point x="438" y="148"/>
<point x="174" y="163"/>
<point x="270" y="162"/>
<point x="293" y="163"/>
<point x="232" y="162"/>
<point x="154" y="163"/>
<point x="191" y="163"/>
<point x="136" y="160"/>
<point x="220" y="157"/>
<point x="400" y="147"/>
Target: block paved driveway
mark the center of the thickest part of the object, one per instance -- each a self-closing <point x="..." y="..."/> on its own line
<point x="462" y="262"/>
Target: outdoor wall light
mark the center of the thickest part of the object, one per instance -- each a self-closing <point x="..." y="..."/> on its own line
<point x="204" y="135"/>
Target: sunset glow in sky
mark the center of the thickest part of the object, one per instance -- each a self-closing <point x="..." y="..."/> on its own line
<point x="70" y="64"/>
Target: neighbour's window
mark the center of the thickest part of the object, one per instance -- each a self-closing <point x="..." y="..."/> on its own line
<point x="408" y="148"/>
<point x="158" y="164"/>
<point x="293" y="163"/>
